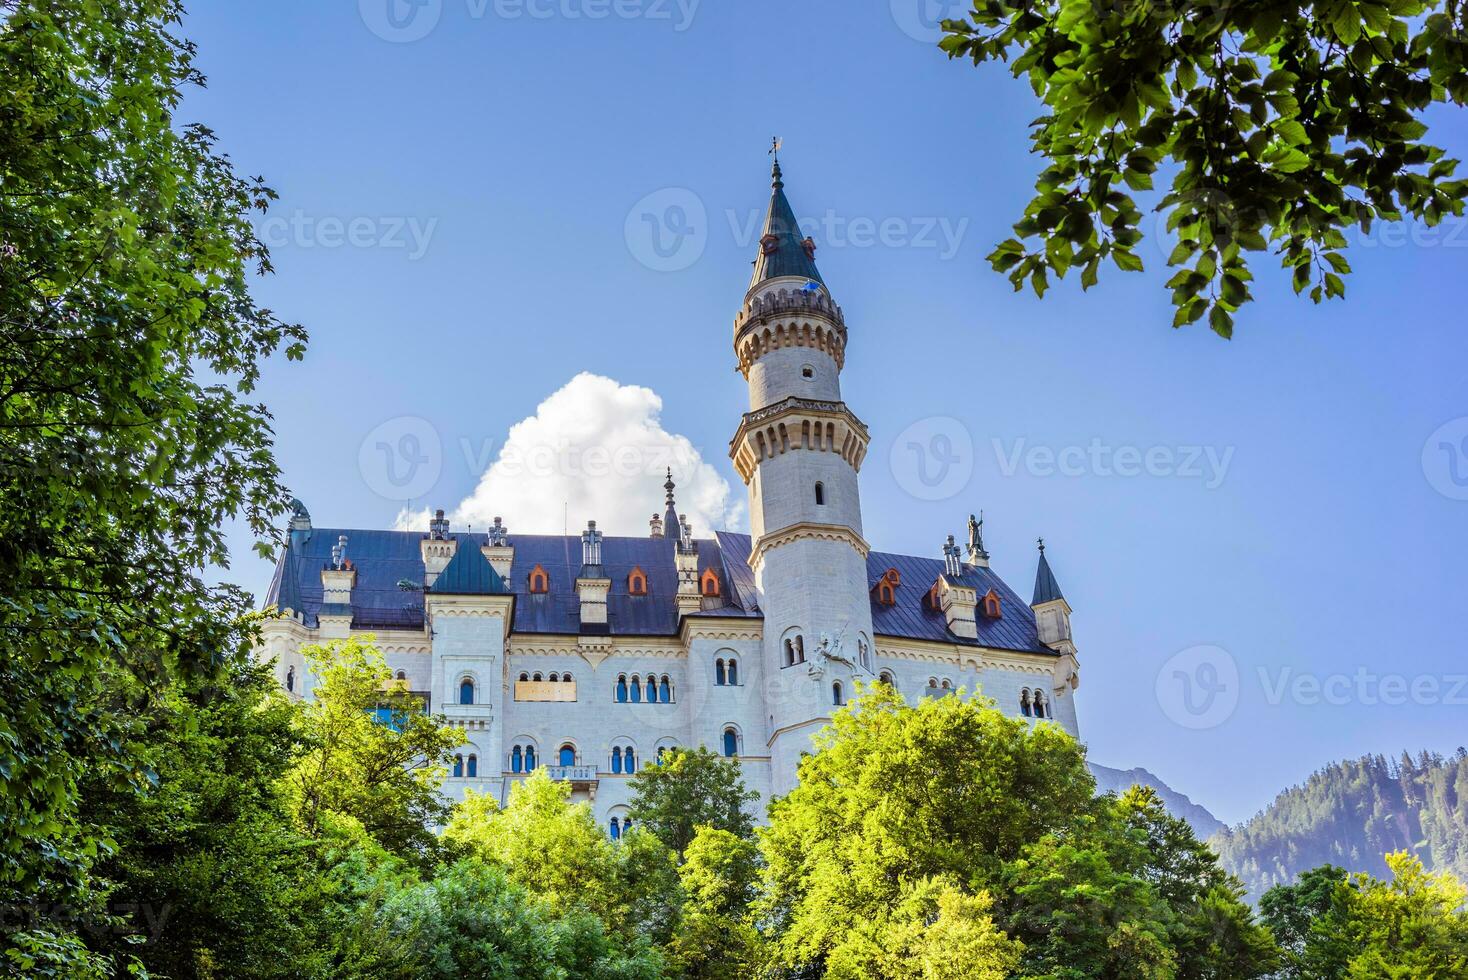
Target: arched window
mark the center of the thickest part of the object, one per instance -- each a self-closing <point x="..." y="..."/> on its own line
<point x="837" y="694"/>
<point x="517" y="760"/>
<point x="402" y="675"/>
<point x="458" y="767"/>
<point x="637" y="582"/>
<point x="466" y="691"/>
<point x="290" y="680"/>
<point x="536" y="677"/>
<point x="622" y="688"/>
<point x="524" y="676"/>
<point x="731" y="743"/>
<point x="652" y="689"/>
<point x="529" y="758"/>
<point x="721" y="677"/>
<point x="554" y="677"/>
<point x="864" y="654"/>
<point x="789" y="652"/>
<point x="708" y="583"/>
<point x="614" y="827"/>
<point x="539" y="580"/>
<point x="473" y="767"/>
<point x="947" y="685"/>
<point x="733" y="671"/>
<point x="1024" y="702"/>
<point x="629" y="760"/>
<point x="566" y="677"/>
<point x="992" y="609"/>
<point x="799" y="649"/>
<point x="820" y="494"/>
<point x="888" y="679"/>
<point x="636" y="689"/>
<point x="568" y="754"/>
<point x="1041" y="706"/>
<point x="617" y="759"/>
<point x="665" y="690"/>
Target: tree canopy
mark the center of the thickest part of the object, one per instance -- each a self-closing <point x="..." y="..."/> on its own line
<point x="1265" y="127"/>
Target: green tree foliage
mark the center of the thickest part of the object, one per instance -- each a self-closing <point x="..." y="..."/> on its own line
<point x="948" y="822"/>
<point x="205" y="865"/>
<point x="715" y="939"/>
<point x="371" y="751"/>
<point x="472" y="920"/>
<point x="688" y="789"/>
<point x="1350" y="814"/>
<point x="1357" y="927"/>
<point x="1270" y="126"/>
<point x="127" y="440"/>
<point x="556" y="850"/>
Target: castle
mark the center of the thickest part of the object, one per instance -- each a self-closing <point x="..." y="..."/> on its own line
<point x="592" y="655"/>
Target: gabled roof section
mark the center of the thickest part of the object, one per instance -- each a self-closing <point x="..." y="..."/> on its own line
<point x="468" y="573"/>
<point x="1046" y="588"/>
<point x="786" y="254"/>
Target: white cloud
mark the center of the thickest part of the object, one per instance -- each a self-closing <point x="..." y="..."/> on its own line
<point x="594" y="450"/>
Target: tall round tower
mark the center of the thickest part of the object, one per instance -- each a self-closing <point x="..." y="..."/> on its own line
<point x="799" y="450"/>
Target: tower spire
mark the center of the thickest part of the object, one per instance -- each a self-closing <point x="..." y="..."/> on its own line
<point x="1047" y="589"/>
<point x="783" y="249"/>
<point x="670" y="517"/>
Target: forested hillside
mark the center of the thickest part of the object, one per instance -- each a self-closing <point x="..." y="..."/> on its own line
<point x="1351" y="814"/>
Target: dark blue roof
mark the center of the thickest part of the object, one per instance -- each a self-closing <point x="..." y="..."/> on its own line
<point x="1046" y="588"/>
<point x="468" y="573"/>
<point x="788" y="257"/>
<point x="384" y="558"/>
<point x="910" y="617"/>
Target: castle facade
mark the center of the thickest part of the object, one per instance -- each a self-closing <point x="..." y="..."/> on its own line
<point x="591" y="655"/>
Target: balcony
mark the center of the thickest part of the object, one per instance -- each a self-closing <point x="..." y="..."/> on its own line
<point x="581" y="778"/>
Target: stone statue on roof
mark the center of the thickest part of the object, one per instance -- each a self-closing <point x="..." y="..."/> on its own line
<point x="976" y="537"/>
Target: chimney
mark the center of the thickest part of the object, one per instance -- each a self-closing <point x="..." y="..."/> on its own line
<point x="437" y="548"/>
<point x="656" y="524"/>
<point x="338" y="577"/>
<point x="952" y="564"/>
<point x="592" y="585"/>
<point x="690" y="596"/>
<point x="959" y="604"/>
<point x="498" y="550"/>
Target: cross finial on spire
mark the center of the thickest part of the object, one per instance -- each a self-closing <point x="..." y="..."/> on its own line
<point x="775" y="144"/>
<point x="670" y="515"/>
<point x="1042" y="545"/>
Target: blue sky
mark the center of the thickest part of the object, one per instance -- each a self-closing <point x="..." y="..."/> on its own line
<point x="466" y="224"/>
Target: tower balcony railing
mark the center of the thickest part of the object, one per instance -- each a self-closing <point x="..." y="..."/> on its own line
<point x="581" y="778"/>
<point x="786" y="301"/>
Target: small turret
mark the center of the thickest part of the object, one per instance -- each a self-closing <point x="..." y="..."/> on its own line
<point x="1052" y="612"/>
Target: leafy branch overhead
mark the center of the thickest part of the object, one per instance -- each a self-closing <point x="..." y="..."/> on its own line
<point x="1265" y="126"/>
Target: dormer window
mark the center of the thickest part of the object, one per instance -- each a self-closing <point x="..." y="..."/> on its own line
<point x="770" y="244"/>
<point x="637" y="582"/>
<point x="934" y="598"/>
<point x="708" y="583"/>
<point x="992" y="608"/>
<point x="539" y="581"/>
<point x="809" y="246"/>
<point x="885" y="591"/>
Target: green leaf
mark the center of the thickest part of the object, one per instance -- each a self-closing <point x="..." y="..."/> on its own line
<point x="1126" y="261"/>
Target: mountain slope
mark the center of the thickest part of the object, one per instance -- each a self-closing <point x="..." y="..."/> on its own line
<point x="1110" y="780"/>
<point x="1351" y="814"/>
